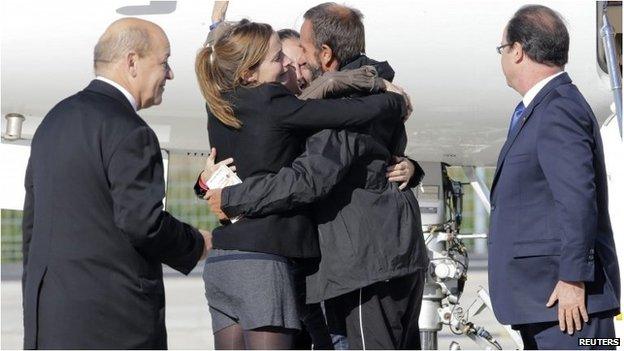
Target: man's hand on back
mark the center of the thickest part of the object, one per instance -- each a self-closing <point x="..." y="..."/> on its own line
<point x="213" y="196"/>
<point x="401" y="172"/>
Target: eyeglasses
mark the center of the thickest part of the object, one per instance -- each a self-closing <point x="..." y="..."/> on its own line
<point x="166" y="66"/>
<point x="499" y="48"/>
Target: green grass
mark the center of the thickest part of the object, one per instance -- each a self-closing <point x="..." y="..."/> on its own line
<point x="11" y="232"/>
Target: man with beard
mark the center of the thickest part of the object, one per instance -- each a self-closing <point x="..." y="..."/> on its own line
<point x="374" y="258"/>
<point x="315" y="330"/>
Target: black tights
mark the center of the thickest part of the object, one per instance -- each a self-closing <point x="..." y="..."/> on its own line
<point x="266" y="338"/>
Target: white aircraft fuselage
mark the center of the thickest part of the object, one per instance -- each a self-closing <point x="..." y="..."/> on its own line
<point x="442" y="52"/>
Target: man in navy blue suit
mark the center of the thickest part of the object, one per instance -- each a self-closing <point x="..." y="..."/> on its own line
<point x="553" y="271"/>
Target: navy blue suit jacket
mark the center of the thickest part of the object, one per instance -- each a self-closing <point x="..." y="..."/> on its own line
<point x="550" y="217"/>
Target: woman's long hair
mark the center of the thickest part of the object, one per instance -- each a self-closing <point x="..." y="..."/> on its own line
<point x="221" y="68"/>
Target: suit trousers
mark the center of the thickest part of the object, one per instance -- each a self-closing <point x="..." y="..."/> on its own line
<point x="548" y="336"/>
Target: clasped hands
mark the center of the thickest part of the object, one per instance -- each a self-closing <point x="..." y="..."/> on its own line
<point x="401" y="172"/>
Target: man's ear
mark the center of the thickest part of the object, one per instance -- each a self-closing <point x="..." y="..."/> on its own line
<point x="326" y="54"/>
<point x="132" y="63"/>
<point x="517" y="52"/>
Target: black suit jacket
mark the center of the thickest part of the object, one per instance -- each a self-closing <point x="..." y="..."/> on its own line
<point x="275" y="123"/>
<point x="95" y="233"/>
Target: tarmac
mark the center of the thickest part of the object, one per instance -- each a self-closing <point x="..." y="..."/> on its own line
<point x="188" y="320"/>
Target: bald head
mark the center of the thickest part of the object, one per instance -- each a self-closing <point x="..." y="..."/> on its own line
<point x="134" y="53"/>
<point x="122" y="37"/>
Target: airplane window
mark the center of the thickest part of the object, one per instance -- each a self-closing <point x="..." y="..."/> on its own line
<point x="153" y="8"/>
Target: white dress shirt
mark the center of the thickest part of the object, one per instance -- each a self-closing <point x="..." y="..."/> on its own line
<point x="532" y="93"/>
<point x="122" y="89"/>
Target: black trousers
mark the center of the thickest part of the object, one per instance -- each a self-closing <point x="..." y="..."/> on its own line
<point x="548" y="336"/>
<point x="380" y="316"/>
<point x="314" y="332"/>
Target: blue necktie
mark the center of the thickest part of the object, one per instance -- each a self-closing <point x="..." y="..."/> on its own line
<point x="515" y="117"/>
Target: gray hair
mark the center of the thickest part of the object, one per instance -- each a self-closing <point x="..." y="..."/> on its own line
<point x="113" y="45"/>
<point x="340" y="28"/>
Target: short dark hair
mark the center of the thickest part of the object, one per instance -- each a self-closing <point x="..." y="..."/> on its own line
<point x="287" y="33"/>
<point x="339" y="27"/>
<point x="542" y="34"/>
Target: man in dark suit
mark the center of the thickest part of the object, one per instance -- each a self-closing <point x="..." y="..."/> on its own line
<point x="553" y="270"/>
<point x="95" y="232"/>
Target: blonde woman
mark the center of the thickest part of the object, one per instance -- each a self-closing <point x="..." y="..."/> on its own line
<point x="255" y="120"/>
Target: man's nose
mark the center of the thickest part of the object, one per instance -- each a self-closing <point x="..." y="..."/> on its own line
<point x="169" y="73"/>
<point x="287" y="61"/>
<point x="298" y="71"/>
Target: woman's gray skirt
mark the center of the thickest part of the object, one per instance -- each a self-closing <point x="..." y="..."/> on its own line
<point x="249" y="288"/>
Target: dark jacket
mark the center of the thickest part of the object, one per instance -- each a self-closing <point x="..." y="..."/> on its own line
<point x="95" y="233"/>
<point x="369" y="230"/>
<point x="393" y="136"/>
<point x="549" y="215"/>
<point x="272" y="135"/>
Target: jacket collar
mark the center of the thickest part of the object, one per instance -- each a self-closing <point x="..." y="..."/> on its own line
<point x="384" y="70"/>
<point x="547" y="89"/>
<point x="119" y="87"/>
<point x="532" y="93"/>
<point x="101" y="87"/>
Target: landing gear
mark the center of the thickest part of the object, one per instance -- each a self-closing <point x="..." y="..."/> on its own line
<point x="441" y="202"/>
